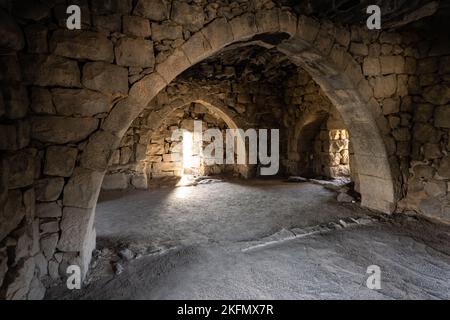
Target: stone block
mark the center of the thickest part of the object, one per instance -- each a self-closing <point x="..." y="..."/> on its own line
<point x="60" y="161"/>
<point x="48" y="210"/>
<point x="82" y="45"/>
<point x="135" y="53"/>
<point x="43" y="70"/>
<point x="136" y="26"/>
<point x="166" y="31"/>
<point x="60" y="130"/>
<point x="76" y="224"/>
<point x="41" y="101"/>
<point x="115" y="181"/>
<point x="190" y="16"/>
<point x="218" y="33"/>
<point x="82" y="189"/>
<point x="80" y="102"/>
<point x="49" y="189"/>
<point x="106" y="78"/>
<point x="156" y="10"/>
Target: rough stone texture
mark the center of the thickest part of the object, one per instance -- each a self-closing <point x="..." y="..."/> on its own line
<point x="135" y="53"/>
<point x="106" y="78"/>
<point x="21" y="169"/>
<point x="75" y="225"/>
<point x="82" y="45"/>
<point x="117" y="181"/>
<point x="166" y="31"/>
<point x="82" y="188"/>
<point x="157" y="10"/>
<point x="50" y="70"/>
<point x="48" y="245"/>
<point x="80" y="103"/>
<point x="60" y="161"/>
<point x="189" y="15"/>
<point x="136" y="26"/>
<point x="62" y="130"/>
<point x="19" y="286"/>
<point x="389" y="88"/>
<point x="48" y="210"/>
<point x="41" y="101"/>
<point x="49" y="189"/>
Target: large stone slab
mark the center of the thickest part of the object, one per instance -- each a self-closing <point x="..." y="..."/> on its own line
<point x="76" y="224"/>
<point x="135" y="53"/>
<point x="41" y="101"/>
<point x="156" y="10"/>
<point x="136" y="26"/>
<point x="82" y="189"/>
<point x="48" y="210"/>
<point x="244" y="26"/>
<point x="116" y="181"/>
<point x="99" y="150"/>
<point x="166" y="31"/>
<point x="174" y="65"/>
<point x="146" y="89"/>
<point x="189" y="15"/>
<point x="106" y="78"/>
<point x="196" y="48"/>
<point x="49" y="189"/>
<point x="80" y="102"/>
<point x="42" y="70"/>
<point x="60" y="130"/>
<point x="82" y="45"/>
<point x="218" y="33"/>
<point x="60" y="161"/>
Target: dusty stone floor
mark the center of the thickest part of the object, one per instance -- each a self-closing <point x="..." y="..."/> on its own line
<point x="258" y="240"/>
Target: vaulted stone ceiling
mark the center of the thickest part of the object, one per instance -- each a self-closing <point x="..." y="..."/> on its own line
<point x="247" y="64"/>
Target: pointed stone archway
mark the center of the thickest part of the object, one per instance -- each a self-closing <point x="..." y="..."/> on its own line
<point x="318" y="48"/>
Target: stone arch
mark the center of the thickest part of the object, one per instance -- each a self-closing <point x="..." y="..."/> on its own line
<point x="318" y="48"/>
<point x="214" y="106"/>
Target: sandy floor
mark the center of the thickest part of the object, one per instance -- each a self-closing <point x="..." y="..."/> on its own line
<point x="215" y="212"/>
<point x="192" y="249"/>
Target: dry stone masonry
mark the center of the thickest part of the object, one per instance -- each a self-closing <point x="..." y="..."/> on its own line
<point x="75" y="105"/>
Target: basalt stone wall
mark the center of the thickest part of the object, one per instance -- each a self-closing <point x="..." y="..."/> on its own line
<point x="66" y="103"/>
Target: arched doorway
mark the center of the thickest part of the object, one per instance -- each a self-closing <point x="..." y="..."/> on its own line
<point x="306" y="44"/>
